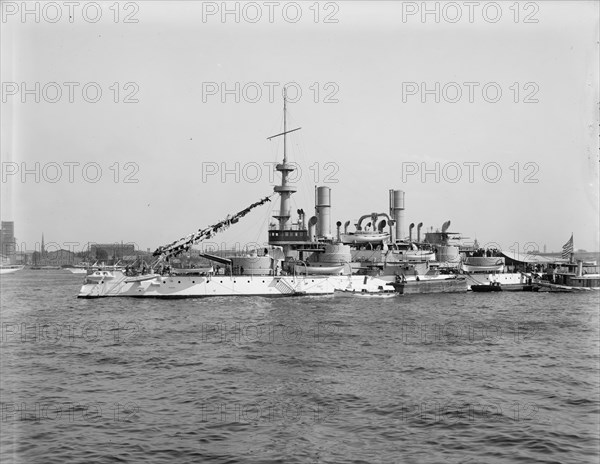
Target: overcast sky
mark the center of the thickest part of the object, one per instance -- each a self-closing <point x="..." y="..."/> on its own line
<point x="516" y="166"/>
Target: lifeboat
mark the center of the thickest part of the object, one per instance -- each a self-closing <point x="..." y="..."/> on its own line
<point x="364" y="237"/>
<point x="419" y="255"/>
<point x="318" y="270"/>
<point x="483" y="264"/>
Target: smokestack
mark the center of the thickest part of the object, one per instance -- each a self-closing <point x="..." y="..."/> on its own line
<point x="410" y="228"/>
<point x="397" y="212"/>
<point x="419" y="232"/>
<point x="323" y="211"/>
<point x="392" y="230"/>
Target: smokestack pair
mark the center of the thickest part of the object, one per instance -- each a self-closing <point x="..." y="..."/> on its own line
<point x="410" y="228"/>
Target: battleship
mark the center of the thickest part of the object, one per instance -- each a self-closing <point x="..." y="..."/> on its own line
<point x="306" y="256"/>
<point x="284" y="268"/>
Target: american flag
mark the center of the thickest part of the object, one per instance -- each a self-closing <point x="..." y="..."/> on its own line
<point x="568" y="248"/>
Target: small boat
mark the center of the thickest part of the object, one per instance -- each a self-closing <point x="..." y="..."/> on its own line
<point x="364" y="237"/>
<point x="318" y="270"/>
<point x="10" y="268"/>
<point x="419" y="255"/>
<point x="492" y="287"/>
<point x="450" y="284"/>
<point x="481" y="264"/>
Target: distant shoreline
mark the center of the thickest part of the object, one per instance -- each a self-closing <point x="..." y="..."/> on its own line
<point x="577" y="255"/>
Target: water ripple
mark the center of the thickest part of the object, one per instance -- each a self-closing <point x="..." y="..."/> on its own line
<point x="416" y="379"/>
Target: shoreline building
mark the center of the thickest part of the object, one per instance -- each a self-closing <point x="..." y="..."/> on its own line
<point x="8" y="242"/>
<point x="112" y="251"/>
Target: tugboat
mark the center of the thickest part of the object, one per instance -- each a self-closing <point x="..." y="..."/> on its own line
<point x="570" y="277"/>
<point x="492" y="287"/>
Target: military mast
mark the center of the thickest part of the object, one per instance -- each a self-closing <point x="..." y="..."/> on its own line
<point x="285" y="191"/>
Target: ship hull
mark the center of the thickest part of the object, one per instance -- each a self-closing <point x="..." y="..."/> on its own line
<point x="117" y="284"/>
<point x="448" y="285"/>
<point x="548" y="287"/>
<point x="510" y="281"/>
<point x="517" y="288"/>
<point x="486" y="288"/>
<point x="502" y="288"/>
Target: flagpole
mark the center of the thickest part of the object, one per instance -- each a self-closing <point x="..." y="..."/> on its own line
<point x="572" y="247"/>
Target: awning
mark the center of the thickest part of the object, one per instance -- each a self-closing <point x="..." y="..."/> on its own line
<point x="528" y="258"/>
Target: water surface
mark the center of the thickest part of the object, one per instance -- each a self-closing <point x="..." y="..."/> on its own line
<point x="463" y="378"/>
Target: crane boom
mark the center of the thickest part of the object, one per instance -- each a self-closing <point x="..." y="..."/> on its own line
<point x="185" y="243"/>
